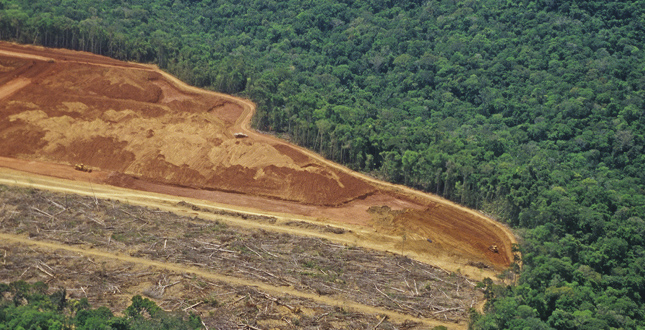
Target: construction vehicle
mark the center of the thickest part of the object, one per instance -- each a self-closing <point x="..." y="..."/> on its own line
<point x="493" y="248"/>
<point x="81" y="167"/>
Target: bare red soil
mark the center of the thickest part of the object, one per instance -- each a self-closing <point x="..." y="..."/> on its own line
<point x="137" y="127"/>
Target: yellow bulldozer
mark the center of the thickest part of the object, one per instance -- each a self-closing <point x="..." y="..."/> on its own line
<point x="82" y="168"/>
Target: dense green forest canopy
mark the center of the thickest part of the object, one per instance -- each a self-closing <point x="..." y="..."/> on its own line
<point x="532" y="111"/>
<point x="29" y="306"/>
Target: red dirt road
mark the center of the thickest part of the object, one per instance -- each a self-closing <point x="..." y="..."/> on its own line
<point x="140" y="128"/>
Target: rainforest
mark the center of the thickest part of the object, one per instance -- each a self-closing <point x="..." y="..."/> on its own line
<point x="532" y="112"/>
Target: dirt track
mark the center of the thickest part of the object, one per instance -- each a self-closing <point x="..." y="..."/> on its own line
<point x="140" y="128"/>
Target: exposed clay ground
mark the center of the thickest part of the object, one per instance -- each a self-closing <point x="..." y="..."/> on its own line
<point x="141" y="129"/>
<point x="136" y="122"/>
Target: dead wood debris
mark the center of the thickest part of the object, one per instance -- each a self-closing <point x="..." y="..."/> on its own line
<point x="307" y="264"/>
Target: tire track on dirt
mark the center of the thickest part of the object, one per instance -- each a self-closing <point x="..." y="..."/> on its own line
<point x="13" y="86"/>
<point x="181" y="268"/>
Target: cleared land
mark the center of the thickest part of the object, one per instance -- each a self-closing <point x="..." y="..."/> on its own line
<point x="152" y="140"/>
<point x="108" y="251"/>
<point x="139" y="128"/>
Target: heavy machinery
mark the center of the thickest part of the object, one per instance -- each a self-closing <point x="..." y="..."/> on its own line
<point x="82" y="168"/>
<point x="493" y="248"/>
